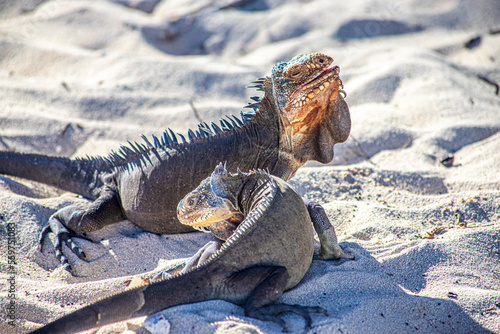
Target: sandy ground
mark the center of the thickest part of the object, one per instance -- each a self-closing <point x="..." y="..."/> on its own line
<point x="82" y="77"/>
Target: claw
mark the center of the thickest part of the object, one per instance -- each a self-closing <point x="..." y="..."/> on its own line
<point x="330" y="248"/>
<point x="43" y="234"/>
<point x="316" y="309"/>
<point x="271" y="312"/>
<point x="68" y="268"/>
<point x="60" y="256"/>
<point x="62" y="234"/>
<point x="166" y="273"/>
<point x="162" y="275"/>
<point x="75" y="249"/>
<point x="71" y="245"/>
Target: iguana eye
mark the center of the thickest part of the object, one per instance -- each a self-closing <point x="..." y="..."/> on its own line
<point x="191" y="201"/>
<point x="295" y="74"/>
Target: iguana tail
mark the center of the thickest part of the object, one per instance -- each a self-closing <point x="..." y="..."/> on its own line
<point x="145" y="300"/>
<point x="80" y="176"/>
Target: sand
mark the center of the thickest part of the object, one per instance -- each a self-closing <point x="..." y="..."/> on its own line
<point x="83" y="77"/>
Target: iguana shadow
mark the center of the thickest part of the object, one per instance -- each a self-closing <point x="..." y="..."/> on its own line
<point x="363" y="296"/>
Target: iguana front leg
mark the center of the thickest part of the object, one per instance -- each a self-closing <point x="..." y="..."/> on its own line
<point x="330" y="248"/>
<point x="58" y="227"/>
<point x="201" y="255"/>
<point x="68" y="221"/>
<point x="194" y="261"/>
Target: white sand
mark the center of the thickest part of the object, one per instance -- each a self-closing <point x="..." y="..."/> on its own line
<point x="81" y="77"/>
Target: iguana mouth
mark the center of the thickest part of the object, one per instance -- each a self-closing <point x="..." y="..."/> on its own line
<point x="323" y="83"/>
<point x="315" y="113"/>
<point x="208" y="219"/>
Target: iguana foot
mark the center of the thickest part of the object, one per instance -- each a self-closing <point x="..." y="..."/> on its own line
<point x="167" y="273"/>
<point x="272" y="312"/>
<point x="330" y="248"/>
<point x="63" y="235"/>
<point x="68" y="221"/>
<point x="197" y="259"/>
<point x="202" y="255"/>
<point x="273" y="280"/>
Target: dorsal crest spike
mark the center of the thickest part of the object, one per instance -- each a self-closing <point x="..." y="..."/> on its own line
<point x="156" y="141"/>
<point x="133" y="154"/>
<point x="147" y="140"/>
<point x="258" y="81"/>
<point x="227" y="124"/>
<point x="216" y="129"/>
<point x="123" y="150"/>
<point x="166" y="139"/>
<point x="257" y="86"/>
<point x="223" y="125"/>
<point x="134" y="148"/>
<point x="220" y="169"/>
<point x="237" y="120"/>
<point x="252" y="105"/>
<point x="233" y="123"/>
<point x="172" y="135"/>
<point x="205" y="130"/>
<point x="182" y="138"/>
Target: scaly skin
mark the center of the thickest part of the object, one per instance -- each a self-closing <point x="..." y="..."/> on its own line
<point x="301" y="116"/>
<point x="273" y="225"/>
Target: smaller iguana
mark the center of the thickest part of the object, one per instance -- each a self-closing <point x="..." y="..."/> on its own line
<point x="268" y="249"/>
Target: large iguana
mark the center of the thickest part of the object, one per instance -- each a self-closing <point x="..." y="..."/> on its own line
<point x="268" y="250"/>
<point x="301" y="116"/>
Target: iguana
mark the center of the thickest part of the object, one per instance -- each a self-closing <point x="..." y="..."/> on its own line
<point x="268" y="250"/>
<point x="301" y="116"/>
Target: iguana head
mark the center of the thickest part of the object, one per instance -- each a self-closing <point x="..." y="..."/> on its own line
<point x="213" y="205"/>
<point x="308" y="93"/>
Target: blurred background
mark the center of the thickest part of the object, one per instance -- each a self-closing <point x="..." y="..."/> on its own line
<point x="80" y="77"/>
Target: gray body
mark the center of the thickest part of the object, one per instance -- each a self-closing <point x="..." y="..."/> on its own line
<point x="276" y="230"/>
<point x="147" y="185"/>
